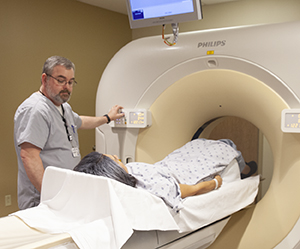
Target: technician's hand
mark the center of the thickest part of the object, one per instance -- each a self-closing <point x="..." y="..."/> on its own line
<point x="115" y="112"/>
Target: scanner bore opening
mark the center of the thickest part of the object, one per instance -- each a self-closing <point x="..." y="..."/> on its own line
<point x="248" y="139"/>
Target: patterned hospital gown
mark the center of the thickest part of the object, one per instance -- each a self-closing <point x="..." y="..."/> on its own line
<point x="194" y="162"/>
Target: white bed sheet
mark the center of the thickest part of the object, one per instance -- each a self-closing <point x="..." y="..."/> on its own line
<point x="86" y="206"/>
<point x="205" y="209"/>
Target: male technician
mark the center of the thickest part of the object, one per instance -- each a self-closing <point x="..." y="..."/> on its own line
<point x="45" y="131"/>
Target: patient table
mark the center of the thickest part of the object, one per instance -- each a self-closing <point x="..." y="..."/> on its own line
<point x="15" y="234"/>
<point x="87" y="211"/>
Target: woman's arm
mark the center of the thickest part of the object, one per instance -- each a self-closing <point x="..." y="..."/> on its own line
<point x="199" y="188"/>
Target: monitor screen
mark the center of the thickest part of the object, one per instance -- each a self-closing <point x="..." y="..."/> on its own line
<point x="145" y="13"/>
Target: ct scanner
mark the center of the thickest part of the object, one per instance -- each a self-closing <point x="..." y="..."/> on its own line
<point x="247" y="72"/>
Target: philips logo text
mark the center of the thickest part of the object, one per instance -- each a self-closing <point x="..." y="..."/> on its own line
<point x="211" y="44"/>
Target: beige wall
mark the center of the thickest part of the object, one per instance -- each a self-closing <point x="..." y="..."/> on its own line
<point x="33" y="30"/>
<point x="30" y="32"/>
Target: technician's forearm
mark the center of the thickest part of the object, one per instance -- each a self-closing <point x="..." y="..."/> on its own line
<point x="35" y="172"/>
<point x="89" y="122"/>
<point x="92" y="122"/>
<point x="34" y="167"/>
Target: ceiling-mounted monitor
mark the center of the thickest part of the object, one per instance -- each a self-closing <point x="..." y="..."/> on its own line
<point x="146" y="13"/>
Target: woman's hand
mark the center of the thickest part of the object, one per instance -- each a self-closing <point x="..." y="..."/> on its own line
<point x="200" y="188"/>
<point x="220" y="180"/>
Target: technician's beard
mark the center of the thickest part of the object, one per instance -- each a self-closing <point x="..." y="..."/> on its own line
<point x="57" y="98"/>
<point x="60" y="99"/>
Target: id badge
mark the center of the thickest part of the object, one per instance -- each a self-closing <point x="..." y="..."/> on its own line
<point x="75" y="152"/>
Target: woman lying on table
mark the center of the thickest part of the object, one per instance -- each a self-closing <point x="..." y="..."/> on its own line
<point x="183" y="173"/>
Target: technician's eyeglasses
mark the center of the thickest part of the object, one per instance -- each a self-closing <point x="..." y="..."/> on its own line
<point x="62" y="81"/>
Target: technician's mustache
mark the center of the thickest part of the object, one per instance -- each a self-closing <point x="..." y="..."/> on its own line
<point x="65" y="91"/>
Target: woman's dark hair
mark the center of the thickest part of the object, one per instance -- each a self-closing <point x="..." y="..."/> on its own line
<point x="98" y="164"/>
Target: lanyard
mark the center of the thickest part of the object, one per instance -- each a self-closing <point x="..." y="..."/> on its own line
<point x="75" y="149"/>
<point x="70" y="138"/>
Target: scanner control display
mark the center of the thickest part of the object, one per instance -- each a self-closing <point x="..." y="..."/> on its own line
<point x="133" y="118"/>
<point x="290" y="120"/>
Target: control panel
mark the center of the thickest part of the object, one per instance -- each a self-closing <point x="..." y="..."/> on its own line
<point x="290" y="120"/>
<point x="133" y="118"/>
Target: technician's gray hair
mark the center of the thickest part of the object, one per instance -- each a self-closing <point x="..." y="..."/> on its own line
<point x="54" y="61"/>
